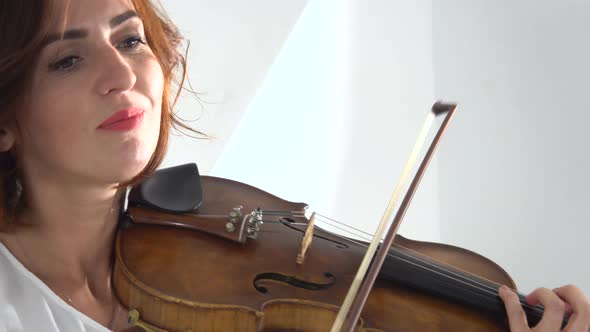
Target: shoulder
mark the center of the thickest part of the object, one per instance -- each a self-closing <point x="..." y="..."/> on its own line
<point x="8" y="241"/>
<point x="13" y="286"/>
<point x="5" y="237"/>
<point x="10" y="278"/>
<point x="19" y="301"/>
<point x="7" y="245"/>
<point x="13" y="274"/>
<point x="7" y="258"/>
<point x="9" y="264"/>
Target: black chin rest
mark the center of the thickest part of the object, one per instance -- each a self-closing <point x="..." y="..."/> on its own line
<point x="176" y="189"/>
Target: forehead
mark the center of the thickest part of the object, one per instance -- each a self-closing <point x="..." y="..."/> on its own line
<point x="86" y="13"/>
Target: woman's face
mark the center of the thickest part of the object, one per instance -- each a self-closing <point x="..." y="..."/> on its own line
<point x="103" y="66"/>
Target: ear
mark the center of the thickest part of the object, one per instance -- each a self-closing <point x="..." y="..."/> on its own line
<point x="7" y="138"/>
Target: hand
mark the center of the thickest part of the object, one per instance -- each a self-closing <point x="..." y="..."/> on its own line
<point x="565" y="301"/>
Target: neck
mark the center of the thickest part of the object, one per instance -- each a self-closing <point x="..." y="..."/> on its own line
<point x="70" y="231"/>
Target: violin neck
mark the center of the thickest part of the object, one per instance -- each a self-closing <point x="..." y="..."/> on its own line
<point x="423" y="274"/>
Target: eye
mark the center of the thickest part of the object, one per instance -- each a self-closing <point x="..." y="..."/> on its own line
<point x="133" y="42"/>
<point x="65" y="64"/>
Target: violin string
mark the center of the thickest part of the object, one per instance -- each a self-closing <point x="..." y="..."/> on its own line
<point x="461" y="274"/>
<point x="418" y="258"/>
<point x="331" y="225"/>
<point x="487" y="289"/>
<point x="334" y="223"/>
<point x="283" y="213"/>
<point x="465" y="278"/>
<point x="490" y="289"/>
<point x="368" y="237"/>
<point x="322" y="217"/>
<point x="344" y="228"/>
<point x="319" y="217"/>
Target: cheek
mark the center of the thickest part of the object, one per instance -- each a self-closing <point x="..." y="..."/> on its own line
<point x="153" y="85"/>
<point x="55" y="113"/>
<point x="156" y="79"/>
<point x="156" y="88"/>
<point x="54" y="122"/>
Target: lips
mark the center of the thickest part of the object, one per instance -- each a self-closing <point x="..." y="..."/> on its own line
<point x="131" y="115"/>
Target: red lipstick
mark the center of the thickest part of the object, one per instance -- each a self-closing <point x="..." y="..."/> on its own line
<point x="123" y="120"/>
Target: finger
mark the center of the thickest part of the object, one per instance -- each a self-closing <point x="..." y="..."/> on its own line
<point x="554" y="308"/>
<point x="577" y="323"/>
<point x="516" y="316"/>
<point x="573" y="295"/>
<point x="580" y="304"/>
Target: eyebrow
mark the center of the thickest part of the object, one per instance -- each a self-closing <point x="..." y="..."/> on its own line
<point x="83" y="33"/>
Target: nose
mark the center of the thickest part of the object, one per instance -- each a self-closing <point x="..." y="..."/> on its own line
<point x="115" y="73"/>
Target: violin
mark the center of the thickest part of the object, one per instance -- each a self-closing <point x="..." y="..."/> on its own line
<point x="202" y="253"/>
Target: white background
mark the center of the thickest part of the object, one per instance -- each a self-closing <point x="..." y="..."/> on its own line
<point x="320" y="101"/>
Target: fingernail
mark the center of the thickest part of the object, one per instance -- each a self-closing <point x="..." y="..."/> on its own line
<point x="503" y="289"/>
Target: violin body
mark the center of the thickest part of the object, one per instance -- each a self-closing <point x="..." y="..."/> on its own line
<point x="184" y="280"/>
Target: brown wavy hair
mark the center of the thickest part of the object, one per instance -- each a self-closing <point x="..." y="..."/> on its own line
<point x="24" y="25"/>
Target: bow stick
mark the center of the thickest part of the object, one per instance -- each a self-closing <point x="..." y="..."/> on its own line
<point x="366" y="275"/>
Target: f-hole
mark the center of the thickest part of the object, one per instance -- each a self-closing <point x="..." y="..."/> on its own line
<point x="292" y="281"/>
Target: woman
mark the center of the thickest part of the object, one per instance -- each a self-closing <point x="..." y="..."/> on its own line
<point x="58" y="143"/>
<point x="69" y="71"/>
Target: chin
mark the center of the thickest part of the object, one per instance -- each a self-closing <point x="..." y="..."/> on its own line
<point x="129" y="160"/>
<point x="127" y="171"/>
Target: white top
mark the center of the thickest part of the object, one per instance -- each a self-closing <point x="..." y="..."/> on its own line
<point x="28" y="305"/>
